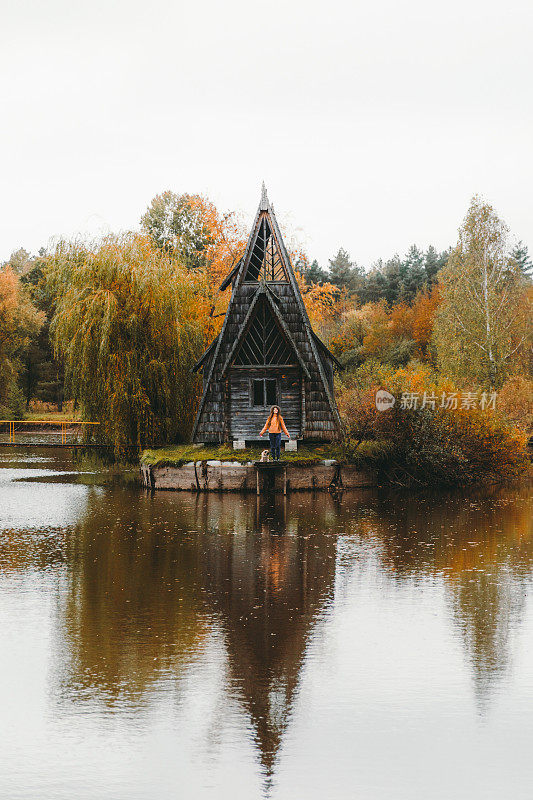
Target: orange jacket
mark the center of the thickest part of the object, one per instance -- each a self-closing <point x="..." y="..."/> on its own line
<point x="276" y="425"/>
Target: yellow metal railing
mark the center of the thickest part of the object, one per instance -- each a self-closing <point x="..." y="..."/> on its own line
<point x="63" y="424"/>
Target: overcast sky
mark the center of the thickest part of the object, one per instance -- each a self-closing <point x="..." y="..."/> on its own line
<point x="371" y="123"/>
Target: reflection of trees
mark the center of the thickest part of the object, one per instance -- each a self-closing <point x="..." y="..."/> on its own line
<point x="149" y="577"/>
<point x="132" y="609"/>
<point x="480" y="547"/>
<point x="40" y="550"/>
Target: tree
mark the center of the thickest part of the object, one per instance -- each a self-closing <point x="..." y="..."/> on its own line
<point x="321" y="301"/>
<point x="176" y="225"/>
<point x="19" y="261"/>
<point x="374" y="287"/>
<point x="190" y="228"/>
<point x="520" y="256"/>
<point x="42" y="376"/>
<point x="424" y="308"/>
<point x="394" y="272"/>
<point x="434" y="261"/>
<point x="314" y="273"/>
<point x="515" y="402"/>
<point x="482" y="323"/>
<point x="129" y="323"/>
<point x="19" y="321"/>
<point x="413" y="274"/>
<point x="432" y="444"/>
<point x="343" y="273"/>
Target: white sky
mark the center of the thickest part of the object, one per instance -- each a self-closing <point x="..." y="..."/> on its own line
<point x="371" y="123"/>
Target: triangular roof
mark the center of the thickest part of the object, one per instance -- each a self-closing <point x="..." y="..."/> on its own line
<point x="237" y="278"/>
<point x="263" y="292"/>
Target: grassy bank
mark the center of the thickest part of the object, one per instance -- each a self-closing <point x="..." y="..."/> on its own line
<point x="49" y="416"/>
<point x="394" y="464"/>
<point x="368" y="454"/>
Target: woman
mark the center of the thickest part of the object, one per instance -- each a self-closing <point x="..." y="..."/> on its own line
<point x="275" y="425"/>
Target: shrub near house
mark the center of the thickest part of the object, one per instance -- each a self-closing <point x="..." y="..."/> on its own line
<point x="431" y="442"/>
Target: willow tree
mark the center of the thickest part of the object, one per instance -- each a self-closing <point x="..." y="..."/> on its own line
<point x="482" y="325"/>
<point x="128" y="325"/>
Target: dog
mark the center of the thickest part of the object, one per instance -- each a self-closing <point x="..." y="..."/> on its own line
<point x="265" y="456"/>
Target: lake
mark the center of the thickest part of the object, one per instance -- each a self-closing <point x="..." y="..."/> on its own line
<point x="227" y="646"/>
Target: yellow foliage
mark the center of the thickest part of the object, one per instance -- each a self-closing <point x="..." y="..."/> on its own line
<point x="320" y="300"/>
<point x="130" y="321"/>
<point x="19" y="320"/>
<point x="433" y="443"/>
<point x="515" y="402"/>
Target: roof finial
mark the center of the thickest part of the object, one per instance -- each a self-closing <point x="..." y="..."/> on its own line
<point x="264" y="198"/>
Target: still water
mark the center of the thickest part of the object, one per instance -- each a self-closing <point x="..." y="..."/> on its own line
<point x="214" y="646"/>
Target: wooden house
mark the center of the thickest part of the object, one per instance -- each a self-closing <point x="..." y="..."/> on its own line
<point x="266" y="352"/>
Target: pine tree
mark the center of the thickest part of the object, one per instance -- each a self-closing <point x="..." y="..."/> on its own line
<point x="414" y="276"/>
<point x="315" y="274"/>
<point x="394" y="273"/>
<point x="431" y="263"/>
<point x="343" y="273"/>
<point x="520" y="256"/>
<point x="375" y="285"/>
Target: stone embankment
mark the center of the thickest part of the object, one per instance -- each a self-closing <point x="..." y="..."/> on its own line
<point x="232" y="476"/>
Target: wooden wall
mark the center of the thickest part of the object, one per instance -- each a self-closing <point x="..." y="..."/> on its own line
<point x="214" y="423"/>
<point x="246" y="420"/>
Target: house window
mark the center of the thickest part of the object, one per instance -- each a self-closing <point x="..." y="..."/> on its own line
<point x="264" y="392"/>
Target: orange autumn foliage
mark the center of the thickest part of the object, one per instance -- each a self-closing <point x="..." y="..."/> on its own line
<point x="227" y="242"/>
<point x="431" y="443"/>
<point x="424" y="309"/>
<point x="375" y="330"/>
<point x="227" y="239"/>
<point x="321" y="301"/>
<point x="19" y="321"/>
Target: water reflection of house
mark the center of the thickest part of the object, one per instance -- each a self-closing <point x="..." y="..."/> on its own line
<point x="267" y="584"/>
<point x="143" y="575"/>
<point x="148" y="584"/>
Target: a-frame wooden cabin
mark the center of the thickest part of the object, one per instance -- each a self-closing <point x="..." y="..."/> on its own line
<point x="266" y="352"/>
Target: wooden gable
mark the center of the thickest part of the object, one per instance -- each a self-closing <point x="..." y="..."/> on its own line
<point x="266" y="319"/>
<point x="266" y="262"/>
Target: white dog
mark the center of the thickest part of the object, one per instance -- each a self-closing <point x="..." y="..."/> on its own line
<point x="265" y="456"/>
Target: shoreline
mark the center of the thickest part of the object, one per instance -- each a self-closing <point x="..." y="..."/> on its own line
<point x="250" y="476"/>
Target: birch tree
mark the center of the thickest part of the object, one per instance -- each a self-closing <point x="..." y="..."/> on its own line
<point x="483" y="324"/>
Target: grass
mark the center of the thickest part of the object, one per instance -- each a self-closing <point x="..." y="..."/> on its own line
<point x="368" y="454"/>
<point x="49" y="416"/>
